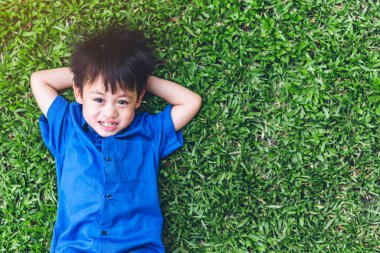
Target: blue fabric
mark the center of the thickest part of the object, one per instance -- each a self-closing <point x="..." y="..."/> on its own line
<point x="107" y="187"/>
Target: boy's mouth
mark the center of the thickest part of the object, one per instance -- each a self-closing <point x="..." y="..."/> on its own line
<point x="108" y="124"/>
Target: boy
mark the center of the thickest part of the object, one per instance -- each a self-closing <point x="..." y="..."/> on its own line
<point x="106" y="155"/>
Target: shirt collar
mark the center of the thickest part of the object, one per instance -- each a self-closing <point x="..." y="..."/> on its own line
<point x="84" y="124"/>
<point x="88" y="129"/>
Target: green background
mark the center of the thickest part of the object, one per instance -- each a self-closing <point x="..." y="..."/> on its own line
<point x="284" y="154"/>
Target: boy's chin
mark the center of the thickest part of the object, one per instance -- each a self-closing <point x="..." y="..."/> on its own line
<point x="107" y="134"/>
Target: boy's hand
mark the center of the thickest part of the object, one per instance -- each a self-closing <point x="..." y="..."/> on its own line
<point x="47" y="83"/>
<point x="185" y="103"/>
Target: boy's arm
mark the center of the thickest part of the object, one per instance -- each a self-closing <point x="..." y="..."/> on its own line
<point x="47" y="83"/>
<point x="185" y="103"/>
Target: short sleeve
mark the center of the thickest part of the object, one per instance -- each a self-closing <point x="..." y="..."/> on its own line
<point x="166" y="137"/>
<point x="53" y="127"/>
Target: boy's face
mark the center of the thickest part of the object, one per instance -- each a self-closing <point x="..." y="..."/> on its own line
<point x="105" y="112"/>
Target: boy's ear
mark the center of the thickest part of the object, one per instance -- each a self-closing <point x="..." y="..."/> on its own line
<point x="77" y="94"/>
<point x="138" y="103"/>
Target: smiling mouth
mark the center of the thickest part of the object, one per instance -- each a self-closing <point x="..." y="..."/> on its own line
<point x="108" y="124"/>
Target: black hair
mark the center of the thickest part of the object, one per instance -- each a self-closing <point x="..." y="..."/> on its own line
<point x="123" y="59"/>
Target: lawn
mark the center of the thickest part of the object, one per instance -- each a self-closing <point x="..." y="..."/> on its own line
<point x="284" y="155"/>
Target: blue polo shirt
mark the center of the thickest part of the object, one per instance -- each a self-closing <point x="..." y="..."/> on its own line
<point x="107" y="187"/>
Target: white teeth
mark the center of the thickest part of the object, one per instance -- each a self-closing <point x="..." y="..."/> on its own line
<point x="107" y="124"/>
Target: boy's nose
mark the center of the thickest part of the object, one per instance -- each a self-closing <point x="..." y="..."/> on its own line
<point x="110" y="111"/>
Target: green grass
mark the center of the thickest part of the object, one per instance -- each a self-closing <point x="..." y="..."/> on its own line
<point x="284" y="155"/>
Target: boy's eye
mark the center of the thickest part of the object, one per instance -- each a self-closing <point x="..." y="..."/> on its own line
<point x="98" y="100"/>
<point x="122" y="102"/>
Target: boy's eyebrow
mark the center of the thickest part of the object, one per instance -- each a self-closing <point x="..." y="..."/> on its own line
<point x="97" y="92"/>
<point x="126" y="95"/>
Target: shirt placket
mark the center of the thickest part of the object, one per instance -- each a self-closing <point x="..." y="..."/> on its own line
<point x="108" y="157"/>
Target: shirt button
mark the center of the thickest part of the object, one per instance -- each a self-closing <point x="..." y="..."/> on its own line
<point x="109" y="196"/>
<point x="108" y="158"/>
<point x="104" y="232"/>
